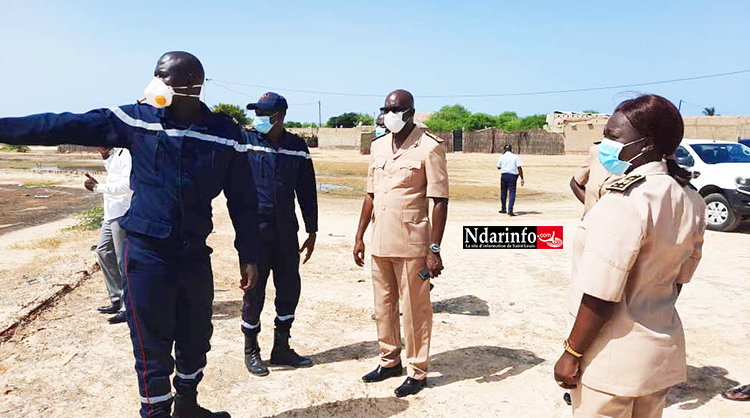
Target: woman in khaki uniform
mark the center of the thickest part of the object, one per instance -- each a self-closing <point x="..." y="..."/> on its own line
<point x="631" y="255"/>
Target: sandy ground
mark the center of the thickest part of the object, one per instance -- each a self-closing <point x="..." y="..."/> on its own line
<point x="499" y="321"/>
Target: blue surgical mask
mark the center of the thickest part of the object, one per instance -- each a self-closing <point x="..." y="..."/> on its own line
<point x="262" y="124"/>
<point x="609" y="156"/>
<point x="380" y="131"/>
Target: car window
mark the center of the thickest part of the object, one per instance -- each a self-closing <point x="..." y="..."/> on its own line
<point x="683" y="157"/>
<point x="722" y="153"/>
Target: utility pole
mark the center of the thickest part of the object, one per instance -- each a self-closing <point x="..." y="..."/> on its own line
<point x="204" y="90"/>
<point x="679" y="106"/>
<point x="320" y="119"/>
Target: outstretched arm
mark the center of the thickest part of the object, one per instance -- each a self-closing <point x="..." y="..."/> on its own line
<point x="96" y="128"/>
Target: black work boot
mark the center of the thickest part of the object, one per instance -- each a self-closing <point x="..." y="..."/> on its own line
<point x="253" y="361"/>
<point x="186" y="406"/>
<point x="283" y="355"/>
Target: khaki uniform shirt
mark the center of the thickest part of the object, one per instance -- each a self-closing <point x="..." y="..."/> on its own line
<point x="632" y="249"/>
<point x="594" y="177"/>
<point x="401" y="183"/>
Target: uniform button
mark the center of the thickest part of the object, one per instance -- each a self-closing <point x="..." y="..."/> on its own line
<point x="385" y="191"/>
<point x="383" y="207"/>
<point x="390" y="175"/>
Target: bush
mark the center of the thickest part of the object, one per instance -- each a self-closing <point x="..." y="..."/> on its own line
<point x="14" y="148"/>
<point x="89" y="220"/>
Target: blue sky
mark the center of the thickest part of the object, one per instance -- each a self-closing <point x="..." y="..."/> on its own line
<point x="79" y="55"/>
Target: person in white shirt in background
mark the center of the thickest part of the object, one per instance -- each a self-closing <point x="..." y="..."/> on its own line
<point x="117" y="195"/>
<point x="510" y="170"/>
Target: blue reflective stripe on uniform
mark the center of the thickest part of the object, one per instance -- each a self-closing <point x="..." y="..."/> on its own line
<point x="190" y="376"/>
<point x="249" y="326"/>
<point x="137" y="123"/>
<point x="302" y="154"/>
<point x="127" y="119"/>
<point x="285" y="317"/>
<point x="156" y="399"/>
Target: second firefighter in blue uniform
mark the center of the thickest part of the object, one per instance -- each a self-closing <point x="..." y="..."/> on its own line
<point x="282" y="168"/>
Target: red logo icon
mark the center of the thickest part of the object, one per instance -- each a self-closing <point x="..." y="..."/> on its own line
<point x="549" y="237"/>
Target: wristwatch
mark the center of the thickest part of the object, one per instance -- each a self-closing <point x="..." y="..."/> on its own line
<point x="434" y="248"/>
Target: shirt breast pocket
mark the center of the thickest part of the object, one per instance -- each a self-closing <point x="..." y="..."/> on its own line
<point x="148" y="158"/>
<point x="409" y="171"/>
<point x="378" y="170"/>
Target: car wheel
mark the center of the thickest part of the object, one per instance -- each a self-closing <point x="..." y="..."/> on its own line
<point x="721" y="217"/>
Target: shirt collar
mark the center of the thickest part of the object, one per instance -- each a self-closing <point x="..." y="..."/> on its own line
<point x="199" y="125"/>
<point x="651" y="168"/>
<point x="412" y="141"/>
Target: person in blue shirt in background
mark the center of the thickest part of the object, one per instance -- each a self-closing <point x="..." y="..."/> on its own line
<point x="183" y="156"/>
<point x="282" y="167"/>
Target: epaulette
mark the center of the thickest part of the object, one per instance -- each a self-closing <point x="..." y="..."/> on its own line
<point x="626" y="183"/>
<point x="433" y="136"/>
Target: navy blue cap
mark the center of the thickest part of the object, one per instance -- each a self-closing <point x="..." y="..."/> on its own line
<point x="269" y="101"/>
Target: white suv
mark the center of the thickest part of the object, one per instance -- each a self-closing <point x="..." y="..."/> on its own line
<point x="721" y="173"/>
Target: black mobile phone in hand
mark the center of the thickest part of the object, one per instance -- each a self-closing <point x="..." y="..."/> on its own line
<point x="424" y="274"/>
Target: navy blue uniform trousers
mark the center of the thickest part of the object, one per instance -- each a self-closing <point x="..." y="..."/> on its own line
<point x="508" y="185"/>
<point x="168" y="291"/>
<point x="279" y="252"/>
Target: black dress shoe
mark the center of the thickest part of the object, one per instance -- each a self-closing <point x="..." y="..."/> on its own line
<point x="381" y="373"/>
<point x="117" y="319"/>
<point x="410" y="387"/>
<point x="111" y="309"/>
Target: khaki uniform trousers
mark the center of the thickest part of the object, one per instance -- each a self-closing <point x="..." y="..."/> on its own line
<point x="588" y="402"/>
<point x="394" y="277"/>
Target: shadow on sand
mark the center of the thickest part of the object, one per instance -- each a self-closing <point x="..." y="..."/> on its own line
<point x="356" y="351"/>
<point x="483" y="363"/>
<point x="462" y="305"/>
<point x="227" y="309"/>
<point x="351" y="408"/>
<point x="702" y="385"/>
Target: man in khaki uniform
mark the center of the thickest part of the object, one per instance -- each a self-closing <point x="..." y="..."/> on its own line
<point x="590" y="182"/>
<point x="407" y="167"/>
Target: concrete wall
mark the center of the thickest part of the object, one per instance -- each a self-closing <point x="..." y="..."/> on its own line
<point x="728" y="128"/>
<point x="336" y="138"/>
<point x="579" y="136"/>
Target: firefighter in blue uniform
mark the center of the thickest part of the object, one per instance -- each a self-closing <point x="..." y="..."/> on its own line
<point x="282" y="168"/>
<point x="183" y="156"/>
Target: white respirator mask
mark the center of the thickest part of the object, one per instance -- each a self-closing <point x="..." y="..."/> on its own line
<point x="159" y="94"/>
<point x="394" y="121"/>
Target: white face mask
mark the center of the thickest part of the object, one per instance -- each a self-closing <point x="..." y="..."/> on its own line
<point x="394" y="121"/>
<point x="159" y="94"/>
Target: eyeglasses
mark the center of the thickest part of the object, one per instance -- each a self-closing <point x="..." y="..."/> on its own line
<point x="394" y="109"/>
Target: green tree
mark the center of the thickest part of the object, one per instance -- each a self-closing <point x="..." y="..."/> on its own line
<point x="449" y="118"/>
<point x="237" y="113"/>
<point x="532" y="122"/>
<point x="366" y="119"/>
<point x="591" y="112"/>
<point x="709" y="111"/>
<point x="344" y="120"/>
<point x="506" y="120"/>
<point x="480" y="121"/>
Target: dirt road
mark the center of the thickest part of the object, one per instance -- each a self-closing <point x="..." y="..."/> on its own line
<point x="499" y="321"/>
